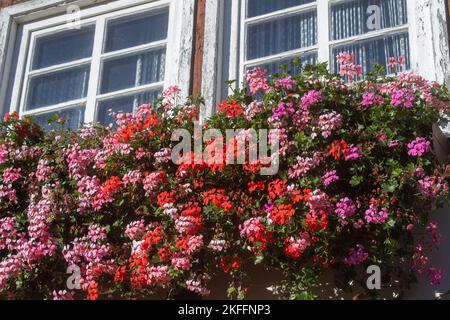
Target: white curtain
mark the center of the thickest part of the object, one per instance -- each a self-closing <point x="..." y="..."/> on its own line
<point x="351" y="18"/>
<point x="376" y="50"/>
<point x="260" y="7"/>
<point x="136" y="30"/>
<point x="133" y="71"/>
<point x="275" y="66"/>
<point x="73" y="117"/>
<point x="63" y="47"/>
<point x="281" y="34"/>
<point x="125" y="104"/>
<point x="58" y="87"/>
<point x="150" y="67"/>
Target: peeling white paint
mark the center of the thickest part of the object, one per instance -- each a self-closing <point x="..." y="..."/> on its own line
<point x="432" y="45"/>
<point x="211" y="56"/>
<point x="183" y="57"/>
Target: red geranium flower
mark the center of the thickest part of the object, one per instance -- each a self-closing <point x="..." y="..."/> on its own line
<point x="93" y="291"/>
<point x="277" y="188"/>
<point x="282" y="213"/>
<point x="218" y="199"/>
<point x="232" y="109"/>
<point x="228" y="264"/>
<point x="165" y="198"/>
<point x="337" y="149"/>
<point x="252" y="186"/>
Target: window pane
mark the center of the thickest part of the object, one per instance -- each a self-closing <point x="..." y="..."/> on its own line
<point x="136" y="30"/>
<point x="260" y="7"/>
<point x="124" y="104"/>
<point x="275" y="66"/>
<point x="376" y="50"/>
<point x="132" y="71"/>
<point x="57" y="87"/>
<point x="282" y="34"/>
<point x="73" y="117"/>
<point x="63" y="47"/>
<point x="351" y="18"/>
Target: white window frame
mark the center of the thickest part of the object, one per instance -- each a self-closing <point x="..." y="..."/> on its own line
<point x="245" y="22"/>
<point x="324" y="46"/>
<point x="178" y="49"/>
<point x="427" y="29"/>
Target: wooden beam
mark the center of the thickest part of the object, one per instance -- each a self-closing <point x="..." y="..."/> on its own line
<point x="6" y="3"/>
<point x="199" y="36"/>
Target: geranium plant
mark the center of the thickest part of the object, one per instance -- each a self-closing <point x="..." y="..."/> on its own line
<point x="356" y="185"/>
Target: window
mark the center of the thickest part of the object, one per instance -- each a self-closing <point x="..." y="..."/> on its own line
<point x="269" y="33"/>
<point x="113" y="60"/>
<point x="275" y="32"/>
<point x="352" y="30"/>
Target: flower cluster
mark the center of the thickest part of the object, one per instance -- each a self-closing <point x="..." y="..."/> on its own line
<point x="418" y="147"/>
<point x="357" y="255"/>
<point x="348" y="66"/>
<point x="355" y="176"/>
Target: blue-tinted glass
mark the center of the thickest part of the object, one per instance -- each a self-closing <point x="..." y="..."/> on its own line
<point x="378" y="50"/>
<point x="275" y="66"/>
<point x="63" y="47"/>
<point x="136" y="30"/>
<point x="126" y="104"/>
<point x="260" y="7"/>
<point x="132" y="71"/>
<point x="73" y="119"/>
<point x="281" y="34"/>
<point x="57" y="87"/>
<point x="352" y="18"/>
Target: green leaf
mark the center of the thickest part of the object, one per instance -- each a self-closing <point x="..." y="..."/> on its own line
<point x="390" y="224"/>
<point x="53" y="118"/>
<point x="390" y="186"/>
<point x="259" y="259"/>
<point x="356" y="180"/>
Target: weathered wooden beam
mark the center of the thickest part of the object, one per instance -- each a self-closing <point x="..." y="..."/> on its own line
<point x="6" y="3"/>
<point x="199" y="36"/>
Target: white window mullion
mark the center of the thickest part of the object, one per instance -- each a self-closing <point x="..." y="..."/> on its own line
<point x="94" y="78"/>
<point x="323" y="30"/>
<point x="56" y="107"/>
<point x="243" y="41"/>
<point x="413" y="36"/>
<point x="26" y="76"/>
<point x="130" y="91"/>
<point x="235" y="43"/>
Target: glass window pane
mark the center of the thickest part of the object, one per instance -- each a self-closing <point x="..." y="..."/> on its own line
<point x="125" y="104"/>
<point x="136" y="30"/>
<point x="57" y="87"/>
<point x="352" y="18"/>
<point x="260" y="7"/>
<point x="281" y="34"/>
<point x="376" y="50"/>
<point x="275" y="66"/>
<point x="63" y="47"/>
<point x="74" y="118"/>
<point x="132" y="71"/>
